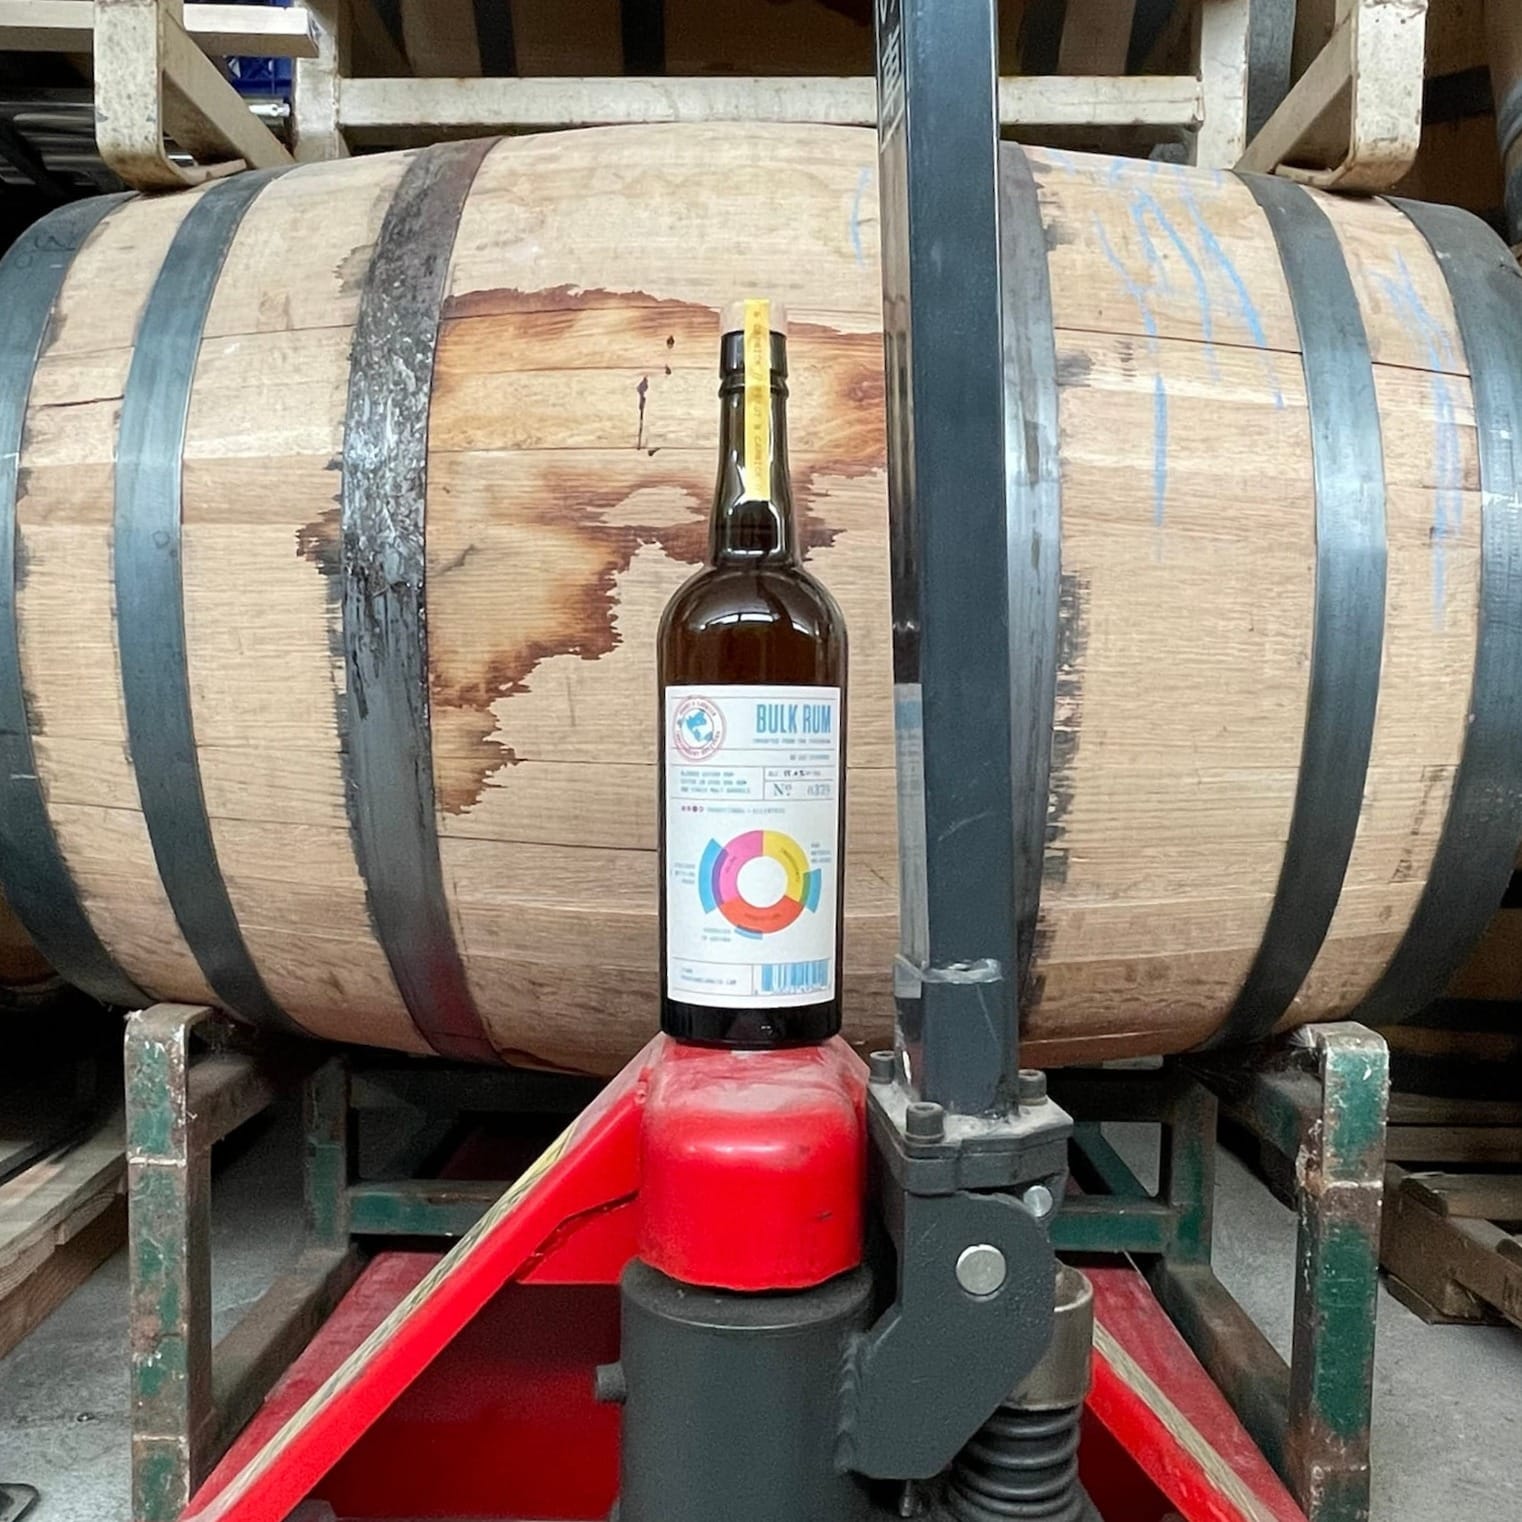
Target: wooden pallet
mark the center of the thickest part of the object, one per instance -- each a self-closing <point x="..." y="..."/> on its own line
<point x="59" y="1220"/>
<point x="1453" y="1185"/>
<point x="1449" y="1244"/>
<point x="1463" y="1133"/>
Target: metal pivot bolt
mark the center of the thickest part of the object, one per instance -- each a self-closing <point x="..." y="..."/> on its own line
<point x="881" y="1066"/>
<point x="924" y="1121"/>
<point x="1031" y="1088"/>
<point x="981" y="1269"/>
<point x="1038" y="1200"/>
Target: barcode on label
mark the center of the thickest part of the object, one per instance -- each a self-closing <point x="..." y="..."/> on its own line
<point x="794" y="977"/>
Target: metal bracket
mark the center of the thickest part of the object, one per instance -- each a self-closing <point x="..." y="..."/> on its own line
<point x="928" y="1151"/>
<point x="1321" y="1106"/>
<point x="187" y="1405"/>
<point x="974" y="1274"/>
<point x="894" y="1429"/>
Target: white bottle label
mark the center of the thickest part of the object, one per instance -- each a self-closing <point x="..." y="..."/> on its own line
<point x="753" y="788"/>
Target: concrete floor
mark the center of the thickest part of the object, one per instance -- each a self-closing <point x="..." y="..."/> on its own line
<point x="1447" y="1399"/>
<point x="63" y="1391"/>
<point x="1448" y="1414"/>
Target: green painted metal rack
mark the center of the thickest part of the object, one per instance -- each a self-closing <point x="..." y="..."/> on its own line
<point x="1317" y="1102"/>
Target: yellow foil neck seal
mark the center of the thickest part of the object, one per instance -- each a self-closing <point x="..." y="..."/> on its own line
<point x="757" y="328"/>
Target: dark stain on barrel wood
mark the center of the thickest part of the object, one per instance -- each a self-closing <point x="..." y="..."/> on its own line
<point x="353" y="269"/>
<point x="665" y="315"/>
<point x="1432" y="778"/>
<point x="1074" y="367"/>
<point x="1067" y="723"/>
<point x="21" y="566"/>
<point x="1058" y="234"/>
<point x="23" y="561"/>
<point x="589" y="543"/>
<point x="1072" y="642"/>
<point x="318" y="541"/>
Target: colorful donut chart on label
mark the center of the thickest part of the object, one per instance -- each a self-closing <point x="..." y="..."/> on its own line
<point x="719" y="882"/>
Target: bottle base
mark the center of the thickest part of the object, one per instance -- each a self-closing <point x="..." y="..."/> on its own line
<point x="756" y="1029"/>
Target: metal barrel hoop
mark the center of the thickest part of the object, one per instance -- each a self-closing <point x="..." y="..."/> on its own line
<point x="1033" y="506"/>
<point x="1508" y="134"/>
<point x="1477" y="848"/>
<point x="34" y="875"/>
<point x="1347" y="643"/>
<point x="150" y="599"/>
<point x="388" y="749"/>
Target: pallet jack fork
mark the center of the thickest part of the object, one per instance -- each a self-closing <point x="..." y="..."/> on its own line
<point x="488" y="1382"/>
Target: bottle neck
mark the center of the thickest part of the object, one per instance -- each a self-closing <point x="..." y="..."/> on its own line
<point x="752" y="518"/>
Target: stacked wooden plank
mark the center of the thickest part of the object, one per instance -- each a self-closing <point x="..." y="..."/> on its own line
<point x="59" y="1219"/>
<point x="1453" y="1185"/>
<point x="1450" y="1245"/>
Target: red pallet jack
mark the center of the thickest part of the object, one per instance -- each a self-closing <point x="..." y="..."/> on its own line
<point x="491" y="1382"/>
<point x="785" y="1285"/>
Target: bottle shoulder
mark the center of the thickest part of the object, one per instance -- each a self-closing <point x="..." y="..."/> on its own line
<point x="726" y="595"/>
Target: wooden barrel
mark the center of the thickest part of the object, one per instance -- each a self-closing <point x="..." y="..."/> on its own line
<point x="1503" y="40"/>
<point x="26" y="981"/>
<point x="347" y="501"/>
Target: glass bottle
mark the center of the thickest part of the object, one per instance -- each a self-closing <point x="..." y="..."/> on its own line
<point x="752" y="674"/>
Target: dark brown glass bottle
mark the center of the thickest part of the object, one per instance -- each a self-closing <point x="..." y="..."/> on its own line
<point x="752" y="671"/>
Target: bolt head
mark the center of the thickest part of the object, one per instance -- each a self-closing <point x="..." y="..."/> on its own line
<point x="882" y="1066"/>
<point x="924" y="1121"/>
<point x="1038" y="1200"/>
<point x="1031" y="1087"/>
<point x="981" y="1269"/>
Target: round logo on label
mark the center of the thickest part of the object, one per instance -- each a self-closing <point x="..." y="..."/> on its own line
<point x="697" y="729"/>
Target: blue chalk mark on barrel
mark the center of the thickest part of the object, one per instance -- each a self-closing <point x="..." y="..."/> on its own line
<point x="1251" y="318"/>
<point x="1145" y="204"/>
<point x="1159" y="453"/>
<point x="863" y="180"/>
<point x="1448" y="465"/>
<point x="1143" y="299"/>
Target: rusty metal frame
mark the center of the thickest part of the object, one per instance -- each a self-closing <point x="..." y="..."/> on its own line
<point x="187" y="1403"/>
<point x="1317" y="1106"/>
